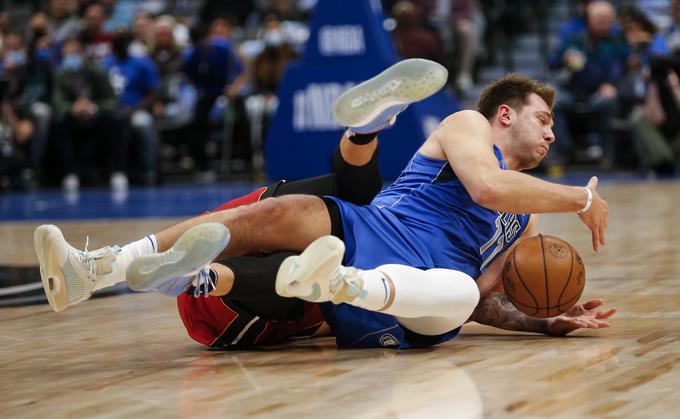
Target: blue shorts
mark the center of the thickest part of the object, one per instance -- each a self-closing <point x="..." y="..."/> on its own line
<point x="366" y="229"/>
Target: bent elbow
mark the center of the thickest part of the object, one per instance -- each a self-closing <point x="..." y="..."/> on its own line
<point x="485" y="196"/>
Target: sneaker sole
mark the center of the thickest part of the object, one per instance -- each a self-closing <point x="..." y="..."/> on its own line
<point x="320" y="256"/>
<point x="194" y="249"/>
<point x="406" y="82"/>
<point x="50" y="269"/>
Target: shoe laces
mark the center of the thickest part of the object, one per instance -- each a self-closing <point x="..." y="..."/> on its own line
<point x="87" y="259"/>
<point x="342" y="276"/>
<point x="204" y="283"/>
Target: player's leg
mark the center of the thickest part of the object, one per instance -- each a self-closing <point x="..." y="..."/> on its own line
<point x="428" y="302"/>
<point x="382" y="97"/>
<point x="70" y="275"/>
<point x="370" y="107"/>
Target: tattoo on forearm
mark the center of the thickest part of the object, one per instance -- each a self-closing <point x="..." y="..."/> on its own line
<point x="497" y="310"/>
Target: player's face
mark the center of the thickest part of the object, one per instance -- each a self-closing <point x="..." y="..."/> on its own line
<point x="531" y="133"/>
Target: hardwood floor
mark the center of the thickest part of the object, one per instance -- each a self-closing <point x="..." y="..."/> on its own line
<point x="129" y="356"/>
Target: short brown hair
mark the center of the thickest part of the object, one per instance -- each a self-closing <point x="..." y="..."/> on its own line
<point x="512" y="90"/>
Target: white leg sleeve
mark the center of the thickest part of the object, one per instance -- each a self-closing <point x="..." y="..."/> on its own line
<point x="428" y="302"/>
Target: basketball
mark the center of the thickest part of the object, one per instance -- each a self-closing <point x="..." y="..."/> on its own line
<point x="544" y="276"/>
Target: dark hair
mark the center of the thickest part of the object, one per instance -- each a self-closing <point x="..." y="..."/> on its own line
<point x="512" y="90"/>
<point x="637" y="15"/>
<point x="199" y="33"/>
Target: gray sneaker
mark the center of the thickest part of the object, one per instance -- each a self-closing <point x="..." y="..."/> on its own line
<point x="372" y="105"/>
<point x="173" y="271"/>
<point x="70" y="275"/>
<point x="317" y="274"/>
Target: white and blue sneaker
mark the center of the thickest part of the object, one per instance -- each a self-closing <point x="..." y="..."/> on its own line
<point x="317" y="274"/>
<point x="374" y="104"/>
<point x="183" y="265"/>
<point x="70" y="275"/>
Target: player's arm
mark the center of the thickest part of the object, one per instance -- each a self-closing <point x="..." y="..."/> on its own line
<point x="495" y="308"/>
<point x="465" y="140"/>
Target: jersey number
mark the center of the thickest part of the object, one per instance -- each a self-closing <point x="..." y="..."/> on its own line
<point x="507" y="227"/>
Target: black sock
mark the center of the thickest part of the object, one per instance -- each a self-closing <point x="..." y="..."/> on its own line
<point x="356" y="184"/>
<point x="362" y="139"/>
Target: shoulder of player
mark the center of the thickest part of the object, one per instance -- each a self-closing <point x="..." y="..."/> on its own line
<point x="465" y="124"/>
<point x="465" y="121"/>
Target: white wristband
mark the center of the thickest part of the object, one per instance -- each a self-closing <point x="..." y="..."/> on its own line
<point x="590" y="201"/>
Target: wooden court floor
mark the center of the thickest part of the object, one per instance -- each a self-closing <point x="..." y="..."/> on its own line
<point x="128" y="355"/>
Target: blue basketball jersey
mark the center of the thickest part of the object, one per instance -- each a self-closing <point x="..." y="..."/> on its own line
<point x="426" y="219"/>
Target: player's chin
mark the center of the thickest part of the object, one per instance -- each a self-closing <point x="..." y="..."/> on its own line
<point x="534" y="164"/>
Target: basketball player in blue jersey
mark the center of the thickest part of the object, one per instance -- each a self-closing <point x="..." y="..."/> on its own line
<point x="412" y="254"/>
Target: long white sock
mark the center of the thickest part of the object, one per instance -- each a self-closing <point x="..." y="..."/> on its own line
<point x="443" y="298"/>
<point x="131" y="251"/>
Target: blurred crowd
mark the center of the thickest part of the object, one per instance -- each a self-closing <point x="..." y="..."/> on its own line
<point x="108" y="91"/>
<point x="118" y="92"/>
<point x="616" y="67"/>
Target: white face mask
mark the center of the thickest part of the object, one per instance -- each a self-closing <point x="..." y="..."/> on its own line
<point x="273" y="38"/>
<point x="16" y="58"/>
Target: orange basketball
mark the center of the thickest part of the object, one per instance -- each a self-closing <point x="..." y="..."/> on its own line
<point x="544" y="276"/>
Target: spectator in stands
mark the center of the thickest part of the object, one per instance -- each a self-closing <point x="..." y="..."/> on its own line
<point x="26" y="107"/>
<point x="165" y="52"/>
<point x="96" y="43"/>
<point x="135" y="81"/>
<point x="16" y="130"/>
<point x="576" y="24"/>
<point x="213" y="66"/>
<point x="6" y="27"/>
<point x="672" y="35"/>
<point x="654" y="93"/>
<point x="269" y="67"/>
<point x="65" y="24"/>
<point x="642" y="35"/>
<point x="411" y="38"/>
<point x="87" y="130"/>
<point x="142" y="29"/>
<point x="176" y="97"/>
<point x="590" y="64"/>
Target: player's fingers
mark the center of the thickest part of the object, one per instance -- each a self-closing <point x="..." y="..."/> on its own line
<point x="605" y="314"/>
<point x="591" y="324"/>
<point x="596" y="240"/>
<point x="591" y="304"/>
<point x="601" y="232"/>
<point x="592" y="183"/>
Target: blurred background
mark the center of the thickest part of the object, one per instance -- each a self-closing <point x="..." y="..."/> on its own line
<point x="119" y="94"/>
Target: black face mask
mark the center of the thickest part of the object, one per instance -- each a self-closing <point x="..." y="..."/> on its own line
<point x="38" y="33"/>
<point x="120" y="46"/>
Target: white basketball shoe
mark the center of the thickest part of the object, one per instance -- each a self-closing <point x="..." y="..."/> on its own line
<point x="183" y="265"/>
<point x="317" y="274"/>
<point x="70" y="275"/>
<point x="374" y="104"/>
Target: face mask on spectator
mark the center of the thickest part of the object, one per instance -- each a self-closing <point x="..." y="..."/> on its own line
<point x="273" y="38"/>
<point x="72" y="62"/>
<point x="16" y="58"/>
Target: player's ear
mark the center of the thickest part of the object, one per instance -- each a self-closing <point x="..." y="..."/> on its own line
<point x="504" y="115"/>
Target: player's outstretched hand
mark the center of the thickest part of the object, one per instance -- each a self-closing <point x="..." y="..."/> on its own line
<point x="597" y="216"/>
<point x="581" y="316"/>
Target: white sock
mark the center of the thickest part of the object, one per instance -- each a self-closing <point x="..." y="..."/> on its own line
<point x="376" y="291"/>
<point x="131" y="251"/>
<point x="443" y="298"/>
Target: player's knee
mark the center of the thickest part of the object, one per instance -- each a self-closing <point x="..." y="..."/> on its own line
<point x="462" y="292"/>
<point x="272" y="209"/>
